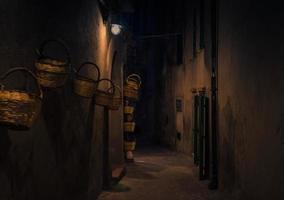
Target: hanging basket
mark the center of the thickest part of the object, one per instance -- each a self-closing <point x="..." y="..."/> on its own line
<point x="129" y="146"/>
<point x="129" y="126"/>
<point x="134" y="81"/>
<point x="111" y="98"/>
<point x="117" y="98"/>
<point x="128" y="109"/>
<point x="85" y="86"/>
<point x="52" y="72"/>
<point x="130" y="93"/>
<point x="131" y="88"/>
<point x="19" y="109"/>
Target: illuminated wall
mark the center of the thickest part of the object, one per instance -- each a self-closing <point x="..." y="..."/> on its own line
<point x="61" y="156"/>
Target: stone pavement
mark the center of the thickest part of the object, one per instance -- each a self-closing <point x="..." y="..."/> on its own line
<point x="160" y="174"/>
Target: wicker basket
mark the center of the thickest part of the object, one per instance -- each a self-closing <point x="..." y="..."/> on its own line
<point x="129" y="146"/>
<point x="117" y="98"/>
<point x="134" y="81"/>
<point x="130" y="93"/>
<point x="129" y="126"/>
<point x="84" y="86"/>
<point x="131" y="88"/>
<point x="19" y="109"/>
<point x="111" y="98"/>
<point x="128" y="109"/>
<point x="52" y="72"/>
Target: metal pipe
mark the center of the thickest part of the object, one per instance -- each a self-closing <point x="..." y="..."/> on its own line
<point x="165" y="35"/>
<point x="214" y="96"/>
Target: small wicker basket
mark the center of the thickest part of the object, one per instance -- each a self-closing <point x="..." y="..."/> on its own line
<point x="129" y="146"/>
<point x="51" y="72"/>
<point x="129" y="126"/>
<point x="19" y="109"/>
<point x="111" y="98"/>
<point x="85" y="86"/>
<point x="117" y="98"/>
<point x="130" y="93"/>
<point x="128" y="109"/>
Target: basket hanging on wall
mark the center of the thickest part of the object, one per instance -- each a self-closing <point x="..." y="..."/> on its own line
<point x="110" y="98"/>
<point x="85" y="86"/>
<point x="52" y="72"/>
<point x="132" y="86"/>
<point x="19" y="108"/>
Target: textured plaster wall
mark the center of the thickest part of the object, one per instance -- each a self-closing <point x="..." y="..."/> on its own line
<point x="250" y="85"/>
<point x="61" y="156"/>
<point x="116" y="57"/>
<point x="179" y="80"/>
<point x="251" y="99"/>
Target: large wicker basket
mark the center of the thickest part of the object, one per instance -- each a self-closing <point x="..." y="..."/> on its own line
<point x="52" y="72"/>
<point x="85" y="86"/>
<point x="110" y="98"/>
<point x="19" y="109"/>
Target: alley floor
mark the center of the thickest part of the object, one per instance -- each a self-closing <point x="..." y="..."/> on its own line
<point x="160" y="174"/>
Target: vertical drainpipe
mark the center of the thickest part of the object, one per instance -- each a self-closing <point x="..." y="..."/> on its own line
<point x="214" y="93"/>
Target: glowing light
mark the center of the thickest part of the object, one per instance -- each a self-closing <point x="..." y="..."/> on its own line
<point x="116" y="29"/>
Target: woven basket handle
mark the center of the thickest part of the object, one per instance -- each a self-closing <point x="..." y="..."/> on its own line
<point x="92" y="64"/>
<point x="40" y="51"/>
<point x="134" y="77"/>
<point x="112" y="85"/>
<point x="119" y="90"/>
<point x="25" y="70"/>
<point x="116" y="88"/>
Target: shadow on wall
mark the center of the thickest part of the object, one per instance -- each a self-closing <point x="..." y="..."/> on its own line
<point x="280" y="129"/>
<point x="233" y="146"/>
<point x="228" y="144"/>
<point x="70" y="130"/>
<point x="52" y="110"/>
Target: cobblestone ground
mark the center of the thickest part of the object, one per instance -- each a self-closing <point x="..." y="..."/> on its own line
<point x="159" y="174"/>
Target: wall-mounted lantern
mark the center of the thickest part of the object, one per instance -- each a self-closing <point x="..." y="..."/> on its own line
<point x="117" y="23"/>
<point x="116" y="29"/>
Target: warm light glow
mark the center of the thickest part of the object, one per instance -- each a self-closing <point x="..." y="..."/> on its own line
<point x="116" y="29"/>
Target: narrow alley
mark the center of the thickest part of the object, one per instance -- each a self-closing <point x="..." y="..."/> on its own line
<point x="141" y="100"/>
<point x="160" y="174"/>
